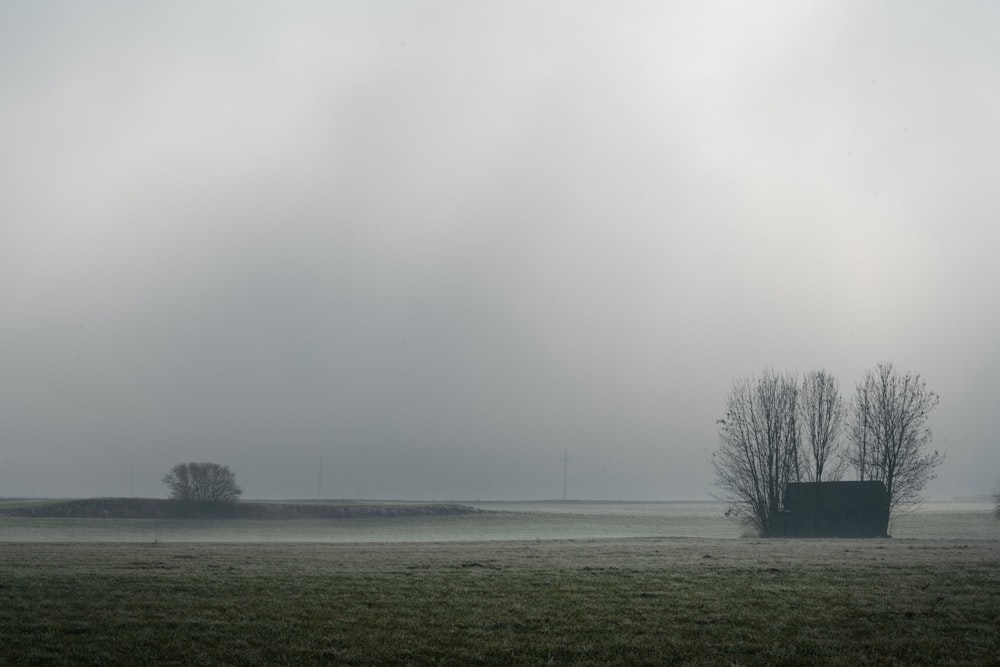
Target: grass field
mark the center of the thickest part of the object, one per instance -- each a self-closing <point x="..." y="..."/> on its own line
<point x="637" y="601"/>
<point x="160" y="508"/>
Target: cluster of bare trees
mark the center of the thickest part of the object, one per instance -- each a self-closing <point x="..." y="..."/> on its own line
<point x="779" y="429"/>
<point x="202" y="482"/>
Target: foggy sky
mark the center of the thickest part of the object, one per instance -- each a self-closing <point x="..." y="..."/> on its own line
<point x="432" y="246"/>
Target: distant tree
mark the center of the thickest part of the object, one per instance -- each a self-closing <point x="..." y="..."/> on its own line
<point x="202" y="482"/>
<point x="822" y="416"/>
<point x="759" y="450"/>
<point x="888" y="434"/>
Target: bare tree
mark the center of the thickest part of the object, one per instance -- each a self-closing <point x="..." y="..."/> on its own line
<point x="888" y="434"/>
<point x="821" y="414"/>
<point x="202" y="482"/>
<point x="759" y="448"/>
<point x="859" y="432"/>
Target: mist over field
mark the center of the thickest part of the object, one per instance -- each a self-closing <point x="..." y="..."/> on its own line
<point x="488" y="522"/>
<point x="426" y="251"/>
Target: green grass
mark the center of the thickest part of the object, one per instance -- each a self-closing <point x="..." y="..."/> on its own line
<point x="642" y="601"/>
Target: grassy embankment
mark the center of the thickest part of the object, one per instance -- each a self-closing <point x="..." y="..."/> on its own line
<point x="157" y="508"/>
<point x="647" y="601"/>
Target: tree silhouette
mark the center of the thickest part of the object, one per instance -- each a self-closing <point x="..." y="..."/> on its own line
<point x="202" y="482"/>
<point x="759" y="448"/>
<point x="822" y="416"/>
<point x="889" y="435"/>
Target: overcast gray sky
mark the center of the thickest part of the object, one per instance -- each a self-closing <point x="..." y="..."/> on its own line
<point x="434" y="245"/>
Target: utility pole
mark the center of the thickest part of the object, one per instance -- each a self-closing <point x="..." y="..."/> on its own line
<point x="131" y="479"/>
<point x="565" y="463"/>
<point x="319" y="485"/>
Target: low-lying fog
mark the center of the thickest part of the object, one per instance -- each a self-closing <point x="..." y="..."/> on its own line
<point x="501" y="521"/>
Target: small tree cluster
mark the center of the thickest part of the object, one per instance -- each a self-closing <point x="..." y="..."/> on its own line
<point x="202" y="482"/>
<point x="779" y="430"/>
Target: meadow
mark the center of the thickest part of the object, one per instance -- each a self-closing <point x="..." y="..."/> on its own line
<point x="581" y="602"/>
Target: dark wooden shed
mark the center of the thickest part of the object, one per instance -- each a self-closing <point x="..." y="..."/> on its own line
<point x="835" y="509"/>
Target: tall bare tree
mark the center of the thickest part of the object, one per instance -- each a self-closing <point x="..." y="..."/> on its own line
<point x="759" y="448"/>
<point x="859" y="432"/>
<point x="821" y="414"/>
<point x="889" y="438"/>
<point x="202" y="482"/>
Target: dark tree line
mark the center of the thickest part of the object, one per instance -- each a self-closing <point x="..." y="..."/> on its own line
<point x="778" y="429"/>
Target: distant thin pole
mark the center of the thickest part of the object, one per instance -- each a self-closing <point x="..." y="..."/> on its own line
<point x="131" y="479"/>
<point x="565" y="465"/>
<point x="319" y="486"/>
